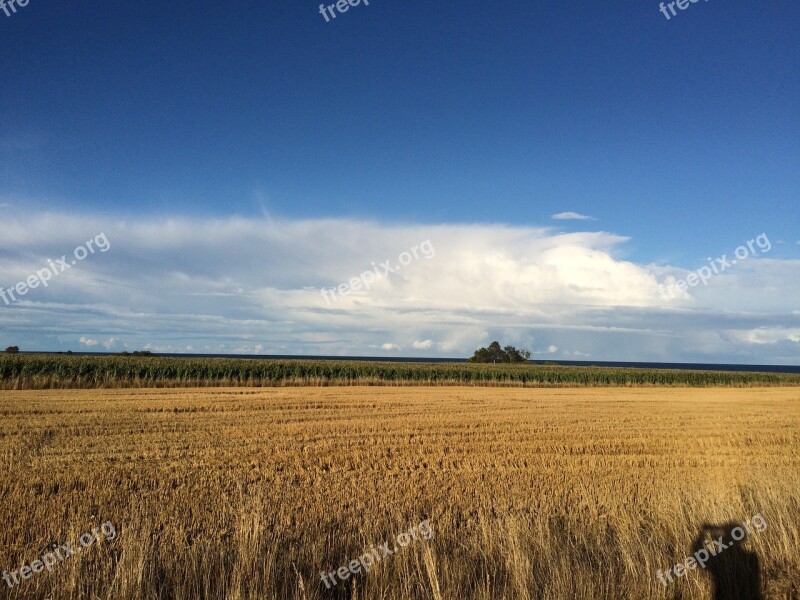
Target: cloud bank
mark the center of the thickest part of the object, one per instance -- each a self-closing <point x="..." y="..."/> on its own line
<point x="252" y="286"/>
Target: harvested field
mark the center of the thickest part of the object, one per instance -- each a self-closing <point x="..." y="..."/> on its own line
<point x="529" y="493"/>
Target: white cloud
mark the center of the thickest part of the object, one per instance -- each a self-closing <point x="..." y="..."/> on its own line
<point x="569" y="215"/>
<point x="254" y="349"/>
<point x="551" y="349"/>
<point x="84" y="341"/>
<point x="113" y="343"/>
<point x="768" y="335"/>
<point x="253" y="286"/>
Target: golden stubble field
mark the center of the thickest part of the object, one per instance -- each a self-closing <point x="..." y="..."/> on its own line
<point x="529" y="493"/>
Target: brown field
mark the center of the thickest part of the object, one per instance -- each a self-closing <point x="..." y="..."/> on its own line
<point x="530" y="493"/>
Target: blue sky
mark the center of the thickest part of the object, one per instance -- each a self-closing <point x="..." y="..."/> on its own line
<point x="392" y="124"/>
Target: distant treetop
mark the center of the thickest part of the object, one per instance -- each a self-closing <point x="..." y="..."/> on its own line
<point x="495" y="354"/>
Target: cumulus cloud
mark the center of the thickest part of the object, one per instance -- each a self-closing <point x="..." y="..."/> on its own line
<point x="569" y="215"/>
<point x="113" y="344"/>
<point x="253" y="286"/>
<point x="254" y="349"/>
<point x="84" y="341"/>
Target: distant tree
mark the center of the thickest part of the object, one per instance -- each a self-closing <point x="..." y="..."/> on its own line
<point x="495" y="354"/>
<point x="516" y="356"/>
<point x="12" y="349"/>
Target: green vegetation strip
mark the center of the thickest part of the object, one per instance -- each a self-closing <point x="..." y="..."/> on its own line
<point x="40" y="371"/>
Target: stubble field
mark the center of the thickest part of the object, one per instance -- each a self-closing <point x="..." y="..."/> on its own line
<point x="529" y="493"/>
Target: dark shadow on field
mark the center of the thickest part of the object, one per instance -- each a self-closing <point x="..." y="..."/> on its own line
<point x="735" y="572"/>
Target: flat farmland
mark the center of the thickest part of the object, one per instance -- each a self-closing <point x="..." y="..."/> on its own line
<point x="528" y="493"/>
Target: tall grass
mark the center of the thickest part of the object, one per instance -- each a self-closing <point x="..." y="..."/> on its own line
<point x="39" y="371"/>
